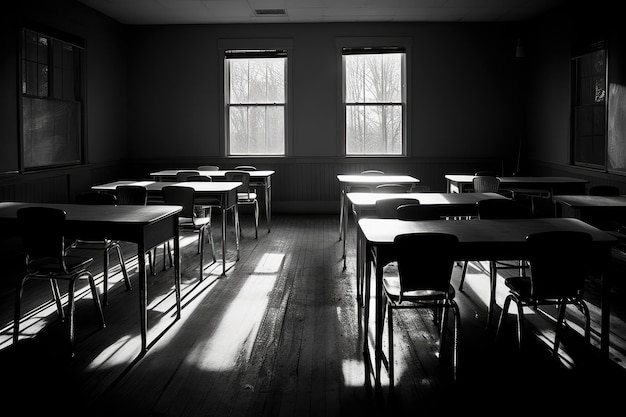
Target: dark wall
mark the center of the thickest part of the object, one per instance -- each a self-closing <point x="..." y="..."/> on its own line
<point x="549" y="42"/>
<point x="464" y="87"/>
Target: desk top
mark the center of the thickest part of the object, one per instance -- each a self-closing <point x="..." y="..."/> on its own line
<point x="495" y="233"/>
<point x="463" y="178"/>
<point x="220" y="173"/>
<point x="97" y="213"/>
<point x="376" y="179"/>
<point x="198" y="186"/>
<point x="369" y="199"/>
<point x="582" y="201"/>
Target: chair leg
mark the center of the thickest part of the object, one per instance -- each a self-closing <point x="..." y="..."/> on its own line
<point x="465" y="262"/>
<point x="96" y="299"/>
<point x="559" y="326"/>
<point x="120" y="256"/>
<point x="151" y="260"/>
<point x="256" y="219"/>
<point x="56" y="294"/>
<point x="442" y="326"/>
<point x="212" y="242"/>
<point x="520" y="323"/>
<point x="105" y="276"/>
<point x="17" y="309"/>
<point x="390" y="338"/>
<point x="503" y="314"/>
<point x="201" y="245"/>
<point x="456" y="314"/>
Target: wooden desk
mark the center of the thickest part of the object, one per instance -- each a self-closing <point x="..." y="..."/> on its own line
<point x="604" y="212"/>
<point x="555" y="185"/>
<point x="371" y="180"/>
<point x="478" y="240"/>
<point x="592" y="204"/>
<point x="259" y="178"/>
<point x="226" y="192"/>
<point x="451" y="204"/>
<point x="147" y="226"/>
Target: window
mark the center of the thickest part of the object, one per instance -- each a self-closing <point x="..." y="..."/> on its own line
<point x="374" y="93"/>
<point x="255" y="97"/>
<point x="51" y="81"/>
<point x="589" y="98"/>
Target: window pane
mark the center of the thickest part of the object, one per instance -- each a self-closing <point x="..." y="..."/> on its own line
<point x="256" y="106"/>
<point x="375" y="80"/>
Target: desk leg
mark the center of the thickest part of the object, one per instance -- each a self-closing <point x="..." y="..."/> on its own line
<point x="378" y="338"/>
<point x="237" y="228"/>
<point x="143" y="296"/>
<point x="177" y="272"/>
<point x="268" y="203"/>
<point x="605" y="320"/>
<point x="224" y="214"/>
<point x="342" y="197"/>
<point x="493" y="278"/>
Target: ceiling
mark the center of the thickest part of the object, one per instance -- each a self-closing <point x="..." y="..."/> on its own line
<point x="165" y="12"/>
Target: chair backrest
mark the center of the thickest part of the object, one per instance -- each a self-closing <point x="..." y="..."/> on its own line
<point x="604" y="190"/>
<point x="425" y="260"/>
<point x="131" y="195"/>
<point x="372" y="172"/>
<point x="183" y="175"/>
<point x="245" y="168"/>
<point x="42" y="230"/>
<point x="241" y="176"/>
<point x="180" y="196"/>
<point x="420" y="188"/>
<point x="393" y="188"/>
<point x="208" y="168"/>
<point x="558" y="263"/>
<point x="204" y="178"/>
<point x="386" y="208"/>
<point x="486" y="184"/>
<point x="96" y="198"/>
<point x="359" y="189"/>
<point x="502" y="208"/>
<point x="419" y="212"/>
<point x="485" y="173"/>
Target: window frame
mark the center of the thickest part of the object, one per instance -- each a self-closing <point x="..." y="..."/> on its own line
<point x="385" y="45"/>
<point x="76" y="153"/>
<point x="578" y="53"/>
<point x="284" y="44"/>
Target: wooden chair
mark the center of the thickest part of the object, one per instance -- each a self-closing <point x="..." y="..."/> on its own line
<point x="425" y="264"/>
<point x="393" y="188"/>
<point x="98" y="243"/>
<point x="604" y="190"/>
<point x="208" y="168"/>
<point x="387" y="208"/>
<point x="245" y="196"/>
<point x="43" y="236"/>
<point x="183" y="175"/>
<point x="419" y="212"/>
<point x="187" y="218"/>
<point x="498" y="208"/>
<point x="136" y="195"/>
<point x="558" y="270"/>
<point x="245" y="168"/>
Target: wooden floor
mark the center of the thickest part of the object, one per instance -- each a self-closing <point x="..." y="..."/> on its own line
<point x="280" y="335"/>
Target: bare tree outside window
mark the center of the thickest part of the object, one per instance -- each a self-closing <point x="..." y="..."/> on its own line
<point x="256" y="105"/>
<point x="374" y="103"/>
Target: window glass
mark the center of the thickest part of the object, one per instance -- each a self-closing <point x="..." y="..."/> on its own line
<point x="374" y="103"/>
<point x="256" y="102"/>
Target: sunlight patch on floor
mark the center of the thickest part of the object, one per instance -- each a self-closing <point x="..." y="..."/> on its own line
<point x="238" y="327"/>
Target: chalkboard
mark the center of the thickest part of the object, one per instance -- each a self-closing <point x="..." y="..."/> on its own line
<point x="51" y="132"/>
